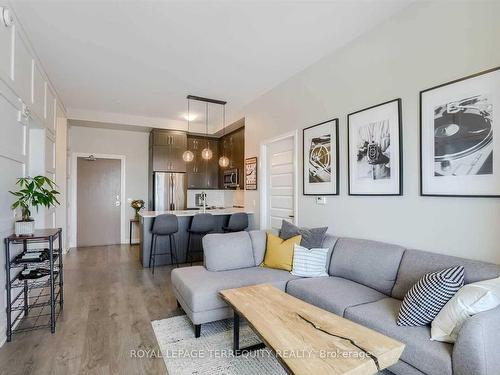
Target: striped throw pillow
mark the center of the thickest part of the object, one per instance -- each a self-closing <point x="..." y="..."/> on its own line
<point x="309" y="262"/>
<point x="427" y="297"/>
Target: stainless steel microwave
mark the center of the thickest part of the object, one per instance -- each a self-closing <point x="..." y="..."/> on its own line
<point x="231" y="178"/>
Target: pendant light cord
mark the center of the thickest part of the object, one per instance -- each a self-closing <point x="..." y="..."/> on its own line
<point x="189" y="114"/>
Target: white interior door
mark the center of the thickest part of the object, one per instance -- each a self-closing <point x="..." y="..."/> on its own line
<point x="280" y="195"/>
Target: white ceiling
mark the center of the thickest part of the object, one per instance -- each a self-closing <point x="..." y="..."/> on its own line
<point x="135" y="61"/>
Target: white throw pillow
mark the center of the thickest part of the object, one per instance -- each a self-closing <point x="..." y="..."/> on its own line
<point x="309" y="262"/>
<point x="471" y="299"/>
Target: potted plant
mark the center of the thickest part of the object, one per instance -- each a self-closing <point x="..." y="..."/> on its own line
<point x="33" y="192"/>
<point x="137" y="205"/>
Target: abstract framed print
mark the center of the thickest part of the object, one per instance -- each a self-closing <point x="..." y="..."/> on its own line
<point x="251" y="173"/>
<point x="375" y="161"/>
<point x="460" y="137"/>
<point x="320" y="145"/>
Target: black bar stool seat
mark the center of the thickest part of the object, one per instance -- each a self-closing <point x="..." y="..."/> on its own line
<point x="201" y="225"/>
<point x="237" y="222"/>
<point x="164" y="225"/>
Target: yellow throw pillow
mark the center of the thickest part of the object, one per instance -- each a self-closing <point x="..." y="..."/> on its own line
<point x="279" y="253"/>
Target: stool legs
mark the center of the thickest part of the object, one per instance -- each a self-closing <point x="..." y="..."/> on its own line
<point x="172" y="252"/>
<point x="189" y="256"/>
<point x="153" y="248"/>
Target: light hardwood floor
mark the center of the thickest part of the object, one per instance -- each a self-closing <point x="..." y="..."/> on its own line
<point x="110" y="301"/>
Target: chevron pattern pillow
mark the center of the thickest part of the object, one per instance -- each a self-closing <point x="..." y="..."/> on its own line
<point x="427" y="297"/>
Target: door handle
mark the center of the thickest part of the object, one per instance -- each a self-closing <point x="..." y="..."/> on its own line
<point x="291" y="216"/>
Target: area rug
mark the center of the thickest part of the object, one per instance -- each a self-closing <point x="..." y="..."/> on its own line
<point x="210" y="354"/>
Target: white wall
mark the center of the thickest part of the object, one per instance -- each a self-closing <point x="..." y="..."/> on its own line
<point x="425" y="45"/>
<point x="134" y="145"/>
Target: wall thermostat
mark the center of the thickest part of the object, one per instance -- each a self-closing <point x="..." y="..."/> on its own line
<point x="320" y="200"/>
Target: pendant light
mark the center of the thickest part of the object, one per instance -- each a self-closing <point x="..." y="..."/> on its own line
<point x="206" y="153"/>
<point x="188" y="155"/>
<point x="224" y="160"/>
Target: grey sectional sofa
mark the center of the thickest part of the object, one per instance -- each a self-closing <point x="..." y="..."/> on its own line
<point x="367" y="282"/>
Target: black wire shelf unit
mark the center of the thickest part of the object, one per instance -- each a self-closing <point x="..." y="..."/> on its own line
<point x="34" y="303"/>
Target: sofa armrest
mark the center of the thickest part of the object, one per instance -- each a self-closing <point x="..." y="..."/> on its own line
<point x="477" y="351"/>
<point x="227" y="251"/>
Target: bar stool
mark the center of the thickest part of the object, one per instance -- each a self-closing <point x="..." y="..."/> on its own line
<point x="237" y="222"/>
<point x="164" y="225"/>
<point x="201" y="225"/>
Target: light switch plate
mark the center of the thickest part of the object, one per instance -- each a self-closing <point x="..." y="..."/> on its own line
<point x="320" y="200"/>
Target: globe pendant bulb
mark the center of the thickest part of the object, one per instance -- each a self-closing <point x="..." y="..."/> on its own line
<point x="187" y="156"/>
<point x="224" y="161"/>
<point x="206" y="154"/>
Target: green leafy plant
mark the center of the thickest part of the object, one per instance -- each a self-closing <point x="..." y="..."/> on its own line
<point x="34" y="192"/>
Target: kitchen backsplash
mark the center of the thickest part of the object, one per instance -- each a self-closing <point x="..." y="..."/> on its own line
<point x="218" y="198"/>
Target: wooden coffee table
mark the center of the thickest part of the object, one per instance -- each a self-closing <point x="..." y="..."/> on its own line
<point x="306" y="339"/>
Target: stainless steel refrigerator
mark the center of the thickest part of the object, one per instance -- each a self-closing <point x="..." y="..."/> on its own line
<point x="170" y="190"/>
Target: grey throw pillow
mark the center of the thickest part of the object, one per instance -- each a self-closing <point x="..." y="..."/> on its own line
<point x="311" y="238"/>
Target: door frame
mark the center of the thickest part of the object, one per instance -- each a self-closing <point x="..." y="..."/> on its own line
<point x="73" y="214"/>
<point x="263" y="176"/>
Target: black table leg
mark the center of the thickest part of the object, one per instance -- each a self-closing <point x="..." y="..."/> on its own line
<point x="236" y="339"/>
<point x="236" y="333"/>
<point x="130" y="233"/>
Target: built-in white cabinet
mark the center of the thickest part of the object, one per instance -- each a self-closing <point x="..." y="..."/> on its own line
<point x="50" y="154"/>
<point x="23" y="68"/>
<point x="28" y="121"/>
<point x="50" y="109"/>
<point x="13" y="139"/>
<point x="38" y="93"/>
<point x="6" y="56"/>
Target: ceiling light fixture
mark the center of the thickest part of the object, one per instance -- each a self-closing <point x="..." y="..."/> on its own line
<point x="224" y="160"/>
<point x="190" y="116"/>
<point x="188" y="155"/>
<point x="206" y="153"/>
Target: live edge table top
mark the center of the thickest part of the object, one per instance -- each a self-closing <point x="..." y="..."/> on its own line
<point x="309" y="340"/>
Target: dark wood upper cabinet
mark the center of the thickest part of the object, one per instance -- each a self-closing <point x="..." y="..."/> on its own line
<point x="232" y="145"/>
<point x="167" y="147"/>
<point x="203" y="174"/>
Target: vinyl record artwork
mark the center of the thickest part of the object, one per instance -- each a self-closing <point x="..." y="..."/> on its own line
<point x="460" y="137"/>
<point x="375" y="150"/>
<point x="320" y="151"/>
<point x="251" y="173"/>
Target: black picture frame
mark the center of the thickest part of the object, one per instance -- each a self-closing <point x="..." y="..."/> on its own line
<point x="400" y="147"/>
<point x="421" y="125"/>
<point x="251" y="160"/>
<point x="336" y="183"/>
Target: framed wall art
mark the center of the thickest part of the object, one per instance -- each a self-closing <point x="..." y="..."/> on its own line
<point x="374" y="149"/>
<point x="251" y="173"/>
<point x="321" y="158"/>
<point x="460" y="137"/>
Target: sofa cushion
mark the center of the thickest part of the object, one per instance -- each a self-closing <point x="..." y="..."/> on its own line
<point x="259" y="240"/>
<point x="309" y="262"/>
<point x="430" y="357"/>
<point x="228" y="251"/>
<point x="311" y="237"/>
<point x="427" y="297"/>
<point x="332" y="293"/>
<point x="416" y="263"/>
<point x="371" y="263"/>
<point x="279" y="252"/>
<point x="329" y="242"/>
<point x="200" y="288"/>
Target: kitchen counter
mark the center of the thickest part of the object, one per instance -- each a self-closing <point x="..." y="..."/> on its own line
<point x="146" y="220"/>
<point x="192" y="212"/>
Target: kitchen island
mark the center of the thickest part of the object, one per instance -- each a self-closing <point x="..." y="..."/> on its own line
<point x="181" y="237"/>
